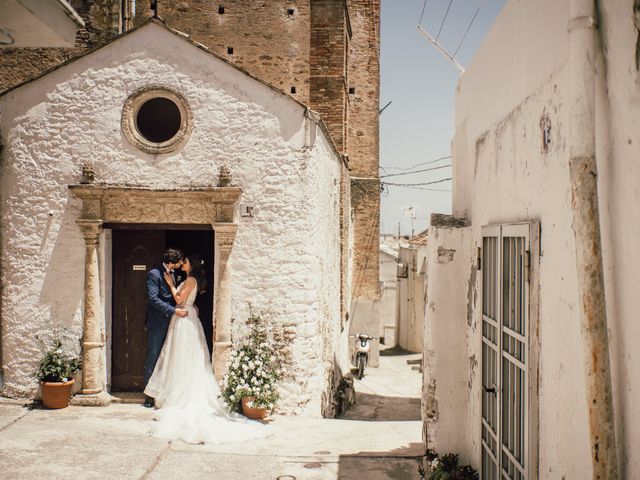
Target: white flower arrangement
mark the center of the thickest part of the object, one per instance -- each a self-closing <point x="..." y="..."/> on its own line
<point x="255" y="366"/>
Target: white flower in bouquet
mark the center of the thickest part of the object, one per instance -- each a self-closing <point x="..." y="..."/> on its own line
<point x="253" y="366"/>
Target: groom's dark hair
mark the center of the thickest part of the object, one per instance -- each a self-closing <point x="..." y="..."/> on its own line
<point x="172" y="255"/>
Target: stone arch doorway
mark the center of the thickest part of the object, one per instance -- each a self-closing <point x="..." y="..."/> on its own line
<point x="107" y="205"/>
<point x="136" y="249"/>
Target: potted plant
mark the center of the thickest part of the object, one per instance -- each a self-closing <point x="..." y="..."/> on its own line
<point x="255" y="366"/>
<point x="55" y="374"/>
<point x="446" y="467"/>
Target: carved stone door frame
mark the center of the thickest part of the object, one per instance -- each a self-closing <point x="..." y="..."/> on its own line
<point x="215" y="206"/>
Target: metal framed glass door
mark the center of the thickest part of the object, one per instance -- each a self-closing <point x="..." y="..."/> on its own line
<point x="505" y="342"/>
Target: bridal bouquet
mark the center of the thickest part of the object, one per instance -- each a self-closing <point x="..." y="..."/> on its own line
<point x="255" y="366"/>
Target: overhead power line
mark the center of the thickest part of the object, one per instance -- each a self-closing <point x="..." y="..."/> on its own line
<point x="415" y="171"/>
<point x="417" y="184"/>
<point x="469" y="27"/>
<point x="424" y="5"/>
<point x="426" y="189"/>
<point x="444" y="20"/>
<point x="417" y="164"/>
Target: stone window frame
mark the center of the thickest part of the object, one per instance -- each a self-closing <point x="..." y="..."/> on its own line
<point x="130" y="111"/>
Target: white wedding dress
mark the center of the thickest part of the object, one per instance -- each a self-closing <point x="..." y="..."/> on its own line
<point x="186" y="390"/>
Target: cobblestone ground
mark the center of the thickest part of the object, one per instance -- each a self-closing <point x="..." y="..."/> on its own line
<point x="378" y="439"/>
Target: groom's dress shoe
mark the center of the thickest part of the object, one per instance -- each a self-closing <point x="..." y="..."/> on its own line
<point x="149" y="402"/>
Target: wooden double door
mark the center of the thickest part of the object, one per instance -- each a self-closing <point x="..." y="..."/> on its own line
<point x="136" y="250"/>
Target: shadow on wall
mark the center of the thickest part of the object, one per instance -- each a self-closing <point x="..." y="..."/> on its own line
<point x="63" y="285"/>
<point x="399" y="463"/>
<point x="394" y="352"/>
<point x="340" y="394"/>
<point x="377" y="408"/>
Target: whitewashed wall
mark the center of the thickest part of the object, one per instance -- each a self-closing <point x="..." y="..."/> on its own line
<point x="410" y="306"/>
<point x="285" y="259"/>
<point x="389" y="280"/>
<point x="501" y="174"/>
<point x="449" y="357"/>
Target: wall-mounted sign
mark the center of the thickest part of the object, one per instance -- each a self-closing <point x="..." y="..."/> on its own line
<point x="139" y="267"/>
<point x="246" y="210"/>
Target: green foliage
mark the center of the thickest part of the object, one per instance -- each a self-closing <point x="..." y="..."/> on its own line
<point x="255" y="366"/>
<point x="446" y="468"/>
<point x="56" y="366"/>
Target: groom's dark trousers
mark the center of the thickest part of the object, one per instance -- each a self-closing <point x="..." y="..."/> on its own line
<point x="160" y="309"/>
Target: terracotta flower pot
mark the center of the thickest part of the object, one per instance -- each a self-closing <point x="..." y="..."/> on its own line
<point x="56" y="394"/>
<point x="251" y="411"/>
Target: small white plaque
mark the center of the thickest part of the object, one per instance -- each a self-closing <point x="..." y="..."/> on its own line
<point x="246" y="210"/>
<point x="140" y="267"/>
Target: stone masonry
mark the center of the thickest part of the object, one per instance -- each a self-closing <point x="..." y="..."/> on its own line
<point x="325" y="53"/>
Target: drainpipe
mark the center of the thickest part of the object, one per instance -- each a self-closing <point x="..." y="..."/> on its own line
<point x="586" y="227"/>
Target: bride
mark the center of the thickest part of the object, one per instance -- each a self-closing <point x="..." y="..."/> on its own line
<point x="183" y="382"/>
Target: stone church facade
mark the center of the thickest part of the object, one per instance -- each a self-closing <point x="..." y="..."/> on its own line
<point x="93" y="189"/>
<point x="322" y="53"/>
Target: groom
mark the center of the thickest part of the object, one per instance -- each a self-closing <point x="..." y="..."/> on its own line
<point x="160" y="309"/>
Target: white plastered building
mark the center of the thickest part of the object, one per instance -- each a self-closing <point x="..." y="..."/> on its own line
<point x="507" y="360"/>
<point x="115" y="155"/>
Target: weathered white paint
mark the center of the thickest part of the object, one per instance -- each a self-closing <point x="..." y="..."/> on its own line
<point x="448" y="372"/>
<point x="388" y="285"/>
<point x="285" y="259"/>
<point x="409" y="319"/>
<point x="502" y="173"/>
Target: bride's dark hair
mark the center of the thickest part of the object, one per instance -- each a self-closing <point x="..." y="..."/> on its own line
<point x="197" y="271"/>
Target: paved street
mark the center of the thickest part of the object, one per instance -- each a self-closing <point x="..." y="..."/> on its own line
<point x="378" y="439"/>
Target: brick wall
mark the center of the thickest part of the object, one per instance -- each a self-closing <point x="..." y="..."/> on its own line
<point x="270" y="39"/>
<point x="363" y="135"/>
<point x="364" y="80"/>
<point x="365" y="201"/>
<point x="330" y="33"/>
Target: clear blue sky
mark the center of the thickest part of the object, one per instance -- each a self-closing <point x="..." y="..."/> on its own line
<point x="418" y="125"/>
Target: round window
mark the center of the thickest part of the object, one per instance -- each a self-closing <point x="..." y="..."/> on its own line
<point x="156" y="120"/>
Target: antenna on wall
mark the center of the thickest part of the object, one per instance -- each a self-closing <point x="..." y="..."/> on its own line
<point x="441" y="49"/>
<point x="434" y="41"/>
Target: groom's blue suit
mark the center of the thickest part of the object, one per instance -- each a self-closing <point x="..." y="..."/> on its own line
<point x="160" y="309"/>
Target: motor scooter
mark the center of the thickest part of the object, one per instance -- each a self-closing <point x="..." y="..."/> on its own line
<point x="361" y="353"/>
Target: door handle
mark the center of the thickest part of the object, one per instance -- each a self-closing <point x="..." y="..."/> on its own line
<point x="490" y="390"/>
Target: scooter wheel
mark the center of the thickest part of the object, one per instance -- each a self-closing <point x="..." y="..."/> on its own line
<point x="361" y="360"/>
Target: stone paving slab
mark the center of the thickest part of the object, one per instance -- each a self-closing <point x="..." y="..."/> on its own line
<point x="10" y="413"/>
<point x="243" y="467"/>
<point x="77" y="442"/>
<point x="113" y="442"/>
<point x="378" y="439"/>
